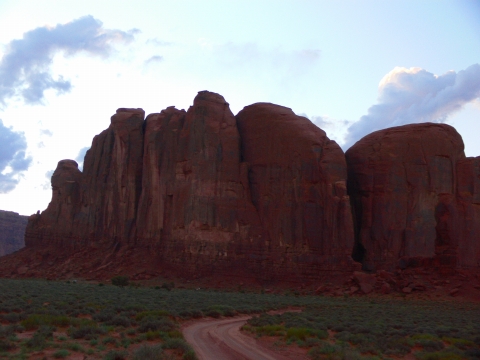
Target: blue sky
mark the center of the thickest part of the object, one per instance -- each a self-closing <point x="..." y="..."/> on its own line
<point x="352" y="67"/>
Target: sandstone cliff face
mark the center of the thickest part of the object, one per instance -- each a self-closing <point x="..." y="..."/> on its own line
<point x="12" y="232"/>
<point x="191" y="193"/>
<point x="297" y="178"/>
<point x="468" y="200"/>
<point x="262" y="195"/>
<point x="415" y="198"/>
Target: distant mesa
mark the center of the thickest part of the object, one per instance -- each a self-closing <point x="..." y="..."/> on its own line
<point x="12" y="232"/>
<point x="264" y="195"/>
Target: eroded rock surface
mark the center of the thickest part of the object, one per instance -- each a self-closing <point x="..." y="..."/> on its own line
<point x="415" y="198"/>
<point x="261" y="195"/>
<point x="202" y="193"/>
<point x="12" y="232"/>
<point x="297" y="181"/>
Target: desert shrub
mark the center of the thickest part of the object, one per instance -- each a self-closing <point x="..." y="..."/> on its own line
<point x="156" y="324"/>
<point x="151" y="314"/>
<point x="303" y="333"/>
<point x="6" y="345"/>
<point x="146" y="352"/>
<point x="116" y="355"/>
<point x="110" y="340"/>
<point x="119" y="320"/>
<point x="441" y="355"/>
<point x="189" y="314"/>
<point x="213" y="313"/>
<point x="6" y="331"/>
<point x="60" y="354"/>
<point x="168" y="286"/>
<point x="120" y="281"/>
<point x="33" y="321"/>
<point x="270" y="330"/>
<point x="85" y="332"/>
<point x="104" y="315"/>
<point x="177" y="344"/>
<point x="263" y="320"/>
<point x="73" y="347"/>
<point x="220" y="310"/>
<point x="13" y="317"/>
<point x="189" y="355"/>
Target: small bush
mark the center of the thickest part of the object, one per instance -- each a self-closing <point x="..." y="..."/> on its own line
<point x="151" y="314"/>
<point x="85" y="332"/>
<point x="60" y="354"/>
<point x="177" y="344"/>
<point x="119" y="320"/>
<point x="74" y="347"/>
<point x="34" y="321"/>
<point x="110" y="340"/>
<point x="213" y="313"/>
<point x="120" y="281"/>
<point x="168" y="286"/>
<point x="146" y="352"/>
<point x="6" y="345"/>
<point x="37" y="342"/>
<point x="116" y="355"/>
<point x="151" y="324"/>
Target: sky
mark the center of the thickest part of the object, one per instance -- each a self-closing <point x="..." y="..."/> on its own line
<point x="352" y="67"/>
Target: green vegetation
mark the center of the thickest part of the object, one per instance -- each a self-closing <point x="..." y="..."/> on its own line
<point x="120" y="281"/>
<point x="362" y="328"/>
<point x="131" y="322"/>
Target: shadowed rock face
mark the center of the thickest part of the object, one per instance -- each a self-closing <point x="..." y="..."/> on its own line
<point x="261" y="195"/>
<point x="297" y="181"/>
<point x="415" y="197"/>
<point x="192" y="193"/>
<point x="12" y="231"/>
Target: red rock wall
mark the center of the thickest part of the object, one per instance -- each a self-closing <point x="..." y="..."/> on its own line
<point x="297" y="179"/>
<point x="186" y="190"/>
<point x="468" y="199"/>
<point x="263" y="194"/>
<point x="415" y="198"/>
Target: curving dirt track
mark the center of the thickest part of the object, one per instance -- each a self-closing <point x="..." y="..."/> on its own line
<point x="222" y="339"/>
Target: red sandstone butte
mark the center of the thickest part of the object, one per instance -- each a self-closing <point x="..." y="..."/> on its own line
<point x="199" y="193"/>
<point x="415" y="198"/>
<point x="297" y="180"/>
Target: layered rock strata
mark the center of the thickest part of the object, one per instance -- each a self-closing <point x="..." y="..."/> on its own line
<point x="192" y="193"/>
<point x="12" y="232"/>
<point x="415" y="198"/>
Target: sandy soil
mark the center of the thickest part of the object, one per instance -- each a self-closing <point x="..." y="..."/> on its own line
<point x="222" y="339"/>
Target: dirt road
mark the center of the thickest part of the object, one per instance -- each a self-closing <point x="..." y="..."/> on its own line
<point x="222" y="339"/>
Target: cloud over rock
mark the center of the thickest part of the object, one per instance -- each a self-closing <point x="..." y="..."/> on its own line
<point x="415" y="95"/>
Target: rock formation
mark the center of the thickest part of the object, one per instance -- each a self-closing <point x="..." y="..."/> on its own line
<point x="297" y="181"/>
<point x="261" y="195"/>
<point x="415" y="198"/>
<point x="193" y="194"/>
<point x="12" y="231"/>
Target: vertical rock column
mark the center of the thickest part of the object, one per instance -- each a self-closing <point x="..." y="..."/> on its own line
<point x="297" y="178"/>
<point x="195" y="206"/>
<point x="403" y="183"/>
<point x="113" y="180"/>
<point x="54" y="226"/>
<point x="468" y="171"/>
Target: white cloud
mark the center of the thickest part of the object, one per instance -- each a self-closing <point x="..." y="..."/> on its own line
<point x="25" y="68"/>
<point x="13" y="160"/>
<point x="415" y="95"/>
